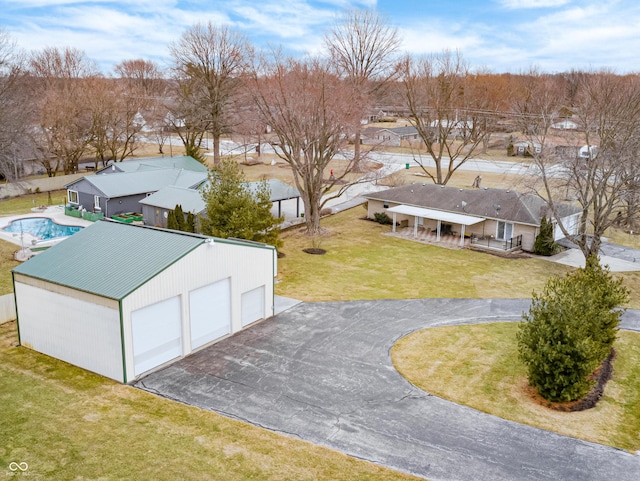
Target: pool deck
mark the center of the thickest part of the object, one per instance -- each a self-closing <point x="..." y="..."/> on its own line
<point x="55" y="213"/>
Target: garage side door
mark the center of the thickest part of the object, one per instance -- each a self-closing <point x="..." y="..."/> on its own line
<point x="210" y="311"/>
<point x="252" y="305"/>
<point x="157" y="334"/>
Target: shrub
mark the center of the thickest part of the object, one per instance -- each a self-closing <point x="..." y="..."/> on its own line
<point x="569" y="331"/>
<point x="180" y="220"/>
<point x="544" y="244"/>
<point x="382" y="218"/>
<point x="172" y="223"/>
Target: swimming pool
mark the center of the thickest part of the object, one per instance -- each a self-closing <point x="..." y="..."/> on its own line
<point x="41" y="227"/>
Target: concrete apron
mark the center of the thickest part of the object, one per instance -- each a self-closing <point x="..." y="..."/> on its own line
<point x="322" y="372"/>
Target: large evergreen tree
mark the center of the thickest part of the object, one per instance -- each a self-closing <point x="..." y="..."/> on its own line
<point x="233" y="210"/>
<point x="570" y="329"/>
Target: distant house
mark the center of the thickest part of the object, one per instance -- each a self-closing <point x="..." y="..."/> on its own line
<point x="122" y="192"/>
<point x="507" y="219"/>
<point x="587" y="151"/>
<point x="524" y="148"/>
<point x="392" y="137"/>
<point x="565" y="124"/>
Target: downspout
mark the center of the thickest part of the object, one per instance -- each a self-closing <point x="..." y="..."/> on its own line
<point x="274" y="259"/>
<point x="15" y="302"/>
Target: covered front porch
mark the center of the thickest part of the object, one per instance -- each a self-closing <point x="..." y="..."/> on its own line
<point x="448" y="224"/>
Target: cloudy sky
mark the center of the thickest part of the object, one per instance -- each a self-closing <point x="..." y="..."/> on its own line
<point x="499" y="35"/>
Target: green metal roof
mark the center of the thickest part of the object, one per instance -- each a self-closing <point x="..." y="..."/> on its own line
<point x="148" y="163"/>
<point x="130" y="183"/>
<point x="278" y="190"/>
<point x="168" y="197"/>
<point x="110" y="259"/>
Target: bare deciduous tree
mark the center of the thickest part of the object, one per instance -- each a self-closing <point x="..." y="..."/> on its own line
<point x="362" y="48"/>
<point x="311" y="116"/>
<point x="209" y="61"/>
<point x="13" y="111"/>
<point x="144" y="82"/>
<point x="591" y="164"/>
<point x="451" y="118"/>
<point x="65" y="121"/>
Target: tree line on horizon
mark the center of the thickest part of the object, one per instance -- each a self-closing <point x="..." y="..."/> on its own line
<point x="57" y="107"/>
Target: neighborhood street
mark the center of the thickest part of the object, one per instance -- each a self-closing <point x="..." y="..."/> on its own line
<point x="322" y="372"/>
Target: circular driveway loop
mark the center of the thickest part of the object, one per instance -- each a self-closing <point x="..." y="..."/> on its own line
<point x="322" y="372"/>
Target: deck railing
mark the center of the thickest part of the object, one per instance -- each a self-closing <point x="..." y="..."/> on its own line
<point x="492" y="243"/>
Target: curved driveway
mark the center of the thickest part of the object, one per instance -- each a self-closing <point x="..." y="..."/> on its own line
<point x="322" y="372"/>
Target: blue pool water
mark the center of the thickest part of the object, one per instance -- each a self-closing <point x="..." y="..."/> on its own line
<point x="42" y="228"/>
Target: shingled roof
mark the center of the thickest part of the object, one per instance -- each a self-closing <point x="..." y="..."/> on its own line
<point x="507" y="205"/>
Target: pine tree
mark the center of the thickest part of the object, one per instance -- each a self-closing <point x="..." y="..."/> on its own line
<point x="172" y="223"/>
<point x="234" y="211"/>
<point x="179" y="217"/>
<point x="190" y="226"/>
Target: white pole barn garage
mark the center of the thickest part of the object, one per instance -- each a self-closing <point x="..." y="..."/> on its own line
<point x="121" y="300"/>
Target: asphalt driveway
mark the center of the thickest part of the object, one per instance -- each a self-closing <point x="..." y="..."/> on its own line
<point x="322" y="372"/>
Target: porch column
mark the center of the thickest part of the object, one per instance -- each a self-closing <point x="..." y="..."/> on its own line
<point x="462" y="235"/>
<point x="415" y="226"/>
<point x="393" y="228"/>
<point x="438" y="231"/>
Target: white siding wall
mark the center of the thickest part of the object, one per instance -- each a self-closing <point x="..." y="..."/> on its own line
<point x="570" y="223"/>
<point x="80" y="332"/>
<point x="248" y="268"/>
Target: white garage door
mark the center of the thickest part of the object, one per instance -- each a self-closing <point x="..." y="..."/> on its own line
<point x="157" y="334"/>
<point x="252" y="305"/>
<point x="210" y="311"/>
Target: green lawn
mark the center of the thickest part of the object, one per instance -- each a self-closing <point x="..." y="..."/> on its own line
<point x="24" y="203"/>
<point x="362" y="262"/>
<point x="67" y="423"/>
<point x="477" y="366"/>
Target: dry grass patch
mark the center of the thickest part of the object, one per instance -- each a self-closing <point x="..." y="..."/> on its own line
<point x="462" y="179"/>
<point x="477" y="365"/>
<point x="7" y="263"/>
<point x="67" y="423"/>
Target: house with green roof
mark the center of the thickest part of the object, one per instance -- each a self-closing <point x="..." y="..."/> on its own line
<point x="184" y="162"/>
<point x="121" y="192"/>
<point x="122" y="300"/>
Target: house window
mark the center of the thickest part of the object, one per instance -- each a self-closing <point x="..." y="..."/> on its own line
<point x="96" y="202"/>
<point x="72" y="197"/>
<point x="504" y="230"/>
<point x="385" y="205"/>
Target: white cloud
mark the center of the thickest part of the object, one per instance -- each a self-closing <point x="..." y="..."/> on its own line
<point x="431" y="38"/>
<point x="522" y="4"/>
